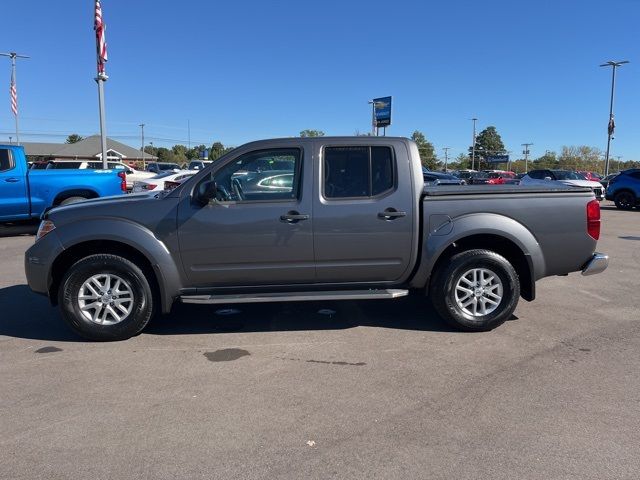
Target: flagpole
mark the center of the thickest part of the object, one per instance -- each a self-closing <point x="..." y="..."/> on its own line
<point x="13" y="56"/>
<point x="101" y="52"/>
<point x="100" y="79"/>
<point x="13" y="78"/>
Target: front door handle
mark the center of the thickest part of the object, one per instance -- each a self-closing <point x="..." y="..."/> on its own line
<point x="12" y="179"/>
<point x="391" y="214"/>
<point x="293" y="217"/>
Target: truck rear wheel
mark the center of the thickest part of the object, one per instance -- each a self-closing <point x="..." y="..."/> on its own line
<point x="106" y="297"/>
<point x="477" y="290"/>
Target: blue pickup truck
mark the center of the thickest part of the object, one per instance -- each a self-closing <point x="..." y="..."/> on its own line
<point x="25" y="194"/>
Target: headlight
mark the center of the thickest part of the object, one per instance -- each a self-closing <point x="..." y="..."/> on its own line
<point x="45" y="227"/>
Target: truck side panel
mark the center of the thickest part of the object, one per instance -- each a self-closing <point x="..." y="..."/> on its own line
<point x="549" y="228"/>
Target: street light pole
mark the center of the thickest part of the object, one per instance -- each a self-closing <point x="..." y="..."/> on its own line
<point x="446" y="157"/>
<point x="142" y="128"/>
<point x="526" y="155"/>
<point x="473" y="147"/>
<point x="14" y="91"/>
<point x="611" y="124"/>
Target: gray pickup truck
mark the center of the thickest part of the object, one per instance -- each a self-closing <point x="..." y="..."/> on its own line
<point x="311" y="219"/>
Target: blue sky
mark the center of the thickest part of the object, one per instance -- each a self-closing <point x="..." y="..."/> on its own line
<point x="244" y="70"/>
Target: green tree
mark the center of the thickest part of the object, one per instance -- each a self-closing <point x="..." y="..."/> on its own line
<point x="548" y="160"/>
<point x="488" y="142"/>
<point x="581" y="157"/>
<point x="216" y="151"/>
<point x="312" y="133"/>
<point x="461" y="162"/>
<point x="428" y="155"/>
<point x="74" y="138"/>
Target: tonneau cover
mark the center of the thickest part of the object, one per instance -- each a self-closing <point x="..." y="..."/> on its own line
<point x="498" y="189"/>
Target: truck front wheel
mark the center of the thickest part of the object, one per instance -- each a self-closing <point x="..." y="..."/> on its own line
<point x="106" y="297"/>
<point x="476" y="290"/>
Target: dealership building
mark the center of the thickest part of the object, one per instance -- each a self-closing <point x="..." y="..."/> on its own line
<point x="88" y="149"/>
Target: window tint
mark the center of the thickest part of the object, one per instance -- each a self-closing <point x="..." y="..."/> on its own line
<point x="381" y="170"/>
<point x="261" y="175"/>
<point x="353" y="172"/>
<point x="537" y="174"/>
<point x="6" y="162"/>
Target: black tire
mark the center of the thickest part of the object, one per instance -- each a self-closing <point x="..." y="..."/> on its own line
<point x="625" y="200"/>
<point x="70" y="200"/>
<point x="141" y="307"/>
<point x="443" y="290"/>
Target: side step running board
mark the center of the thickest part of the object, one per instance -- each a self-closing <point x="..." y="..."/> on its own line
<point x="296" y="296"/>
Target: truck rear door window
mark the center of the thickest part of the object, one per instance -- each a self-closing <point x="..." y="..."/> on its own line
<point x="357" y="172"/>
<point x="6" y="162"/>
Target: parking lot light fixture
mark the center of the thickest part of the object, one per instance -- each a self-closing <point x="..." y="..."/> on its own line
<point x="611" y="124"/>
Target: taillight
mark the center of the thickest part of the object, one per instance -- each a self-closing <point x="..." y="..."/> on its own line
<point x="593" y="219"/>
<point x="123" y="181"/>
<point x="148" y="186"/>
<point x="170" y="185"/>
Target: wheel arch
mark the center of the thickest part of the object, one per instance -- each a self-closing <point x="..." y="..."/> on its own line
<point x="131" y="241"/>
<point x="493" y="232"/>
<point x="79" y="192"/>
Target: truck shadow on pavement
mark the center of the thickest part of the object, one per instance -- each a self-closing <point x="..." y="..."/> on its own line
<point x="27" y="315"/>
<point x="18" y="229"/>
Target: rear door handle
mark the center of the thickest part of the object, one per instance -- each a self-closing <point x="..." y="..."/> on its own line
<point x="293" y="217"/>
<point x="391" y="214"/>
<point x="12" y="179"/>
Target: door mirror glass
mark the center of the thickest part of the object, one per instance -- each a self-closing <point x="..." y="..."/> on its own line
<point x="547" y="178"/>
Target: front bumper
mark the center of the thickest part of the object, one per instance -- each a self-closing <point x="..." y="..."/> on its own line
<point x="38" y="260"/>
<point x="597" y="264"/>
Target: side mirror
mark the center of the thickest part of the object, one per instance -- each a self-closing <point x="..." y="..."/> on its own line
<point x="129" y="172"/>
<point x="547" y="178"/>
<point x="206" y="191"/>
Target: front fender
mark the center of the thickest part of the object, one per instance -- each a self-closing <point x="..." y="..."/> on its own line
<point x="135" y="236"/>
<point x="439" y="236"/>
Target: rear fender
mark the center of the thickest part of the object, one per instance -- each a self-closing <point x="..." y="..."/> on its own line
<point x="438" y="239"/>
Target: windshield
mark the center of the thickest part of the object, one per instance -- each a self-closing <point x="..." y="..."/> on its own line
<point x="168" y="166"/>
<point x="567" y="175"/>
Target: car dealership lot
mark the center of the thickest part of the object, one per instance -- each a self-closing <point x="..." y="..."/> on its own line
<point x="334" y="390"/>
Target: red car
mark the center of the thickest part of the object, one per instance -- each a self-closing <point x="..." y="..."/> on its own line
<point x="594" y="177"/>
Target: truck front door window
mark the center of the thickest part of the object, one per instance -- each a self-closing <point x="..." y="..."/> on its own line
<point x="266" y="175"/>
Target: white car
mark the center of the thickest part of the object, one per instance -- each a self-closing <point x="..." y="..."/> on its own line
<point x="564" y="177"/>
<point x="157" y="182"/>
<point x="133" y="175"/>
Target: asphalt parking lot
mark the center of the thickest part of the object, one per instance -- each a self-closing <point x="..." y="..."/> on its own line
<point x="334" y="390"/>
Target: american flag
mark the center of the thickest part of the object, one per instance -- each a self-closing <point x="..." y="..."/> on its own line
<point x="101" y="42"/>
<point x="14" y="94"/>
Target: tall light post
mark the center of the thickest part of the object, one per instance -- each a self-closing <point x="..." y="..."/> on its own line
<point x="14" y="89"/>
<point x="526" y="155"/>
<point x="142" y="131"/>
<point x="446" y="157"/>
<point x="611" y="125"/>
<point x="473" y="145"/>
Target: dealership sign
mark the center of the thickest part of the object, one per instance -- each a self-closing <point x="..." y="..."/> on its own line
<point x="382" y="111"/>
<point x="497" y="159"/>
